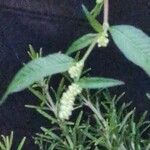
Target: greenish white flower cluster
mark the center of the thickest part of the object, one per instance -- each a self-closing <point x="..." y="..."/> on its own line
<point x="103" y="40"/>
<point x="75" y="70"/>
<point x="67" y="101"/>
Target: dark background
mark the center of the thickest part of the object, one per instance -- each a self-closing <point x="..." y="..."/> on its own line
<point x="53" y="25"/>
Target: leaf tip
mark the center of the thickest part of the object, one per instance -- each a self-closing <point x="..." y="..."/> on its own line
<point x="84" y="8"/>
<point x="148" y="95"/>
<point x="4" y="97"/>
<point x="121" y="83"/>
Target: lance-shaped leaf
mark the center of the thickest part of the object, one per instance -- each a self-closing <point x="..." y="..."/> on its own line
<point x="37" y="69"/>
<point x="81" y="43"/>
<point x="96" y="10"/>
<point x="134" y="44"/>
<point x="20" y="146"/>
<point x="98" y="82"/>
<point x="93" y="22"/>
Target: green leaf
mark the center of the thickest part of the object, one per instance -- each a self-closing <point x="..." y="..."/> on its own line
<point x="148" y="95"/>
<point x="21" y="144"/>
<point x="124" y="122"/>
<point x="134" y="44"/>
<point x="37" y="69"/>
<point x="32" y="53"/>
<point x="93" y="22"/>
<point x="81" y="43"/>
<point x="98" y="82"/>
<point x="96" y="10"/>
<point x="46" y="115"/>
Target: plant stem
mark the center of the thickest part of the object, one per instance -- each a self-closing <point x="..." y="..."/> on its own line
<point x="50" y="100"/>
<point x="48" y="97"/>
<point x="62" y="126"/>
<point x="90" y="105"/>
<point x="89" y="50"/>
<point x="100" y="117"/>
<point x="106" y="15"/>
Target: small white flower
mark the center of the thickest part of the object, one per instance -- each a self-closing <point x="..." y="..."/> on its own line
<point x="75" y="70"/>
<point x="103" y="40"/>
<point x="67" y="101"/>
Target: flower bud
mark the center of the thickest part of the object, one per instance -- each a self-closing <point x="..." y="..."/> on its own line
<point x="75" y="70"/>
<point x="103" y="40"/>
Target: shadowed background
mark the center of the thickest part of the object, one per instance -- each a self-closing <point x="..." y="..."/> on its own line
<point x="53" y="25"/>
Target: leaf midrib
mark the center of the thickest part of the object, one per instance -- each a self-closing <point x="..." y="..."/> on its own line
<point x="129" y="39"/>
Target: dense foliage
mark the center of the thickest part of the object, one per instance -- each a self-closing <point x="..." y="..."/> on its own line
<point x="83" y="113"/>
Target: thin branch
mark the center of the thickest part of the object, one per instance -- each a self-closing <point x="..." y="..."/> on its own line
<point x="49" y="99"/>
<point x="106" y="15"/>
